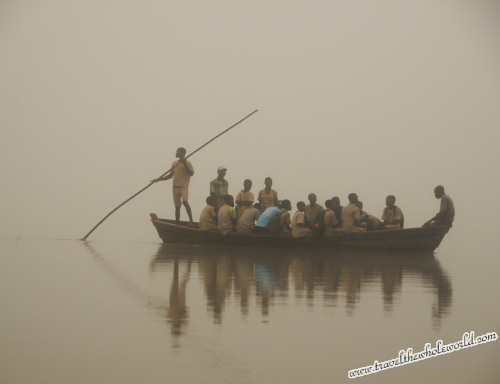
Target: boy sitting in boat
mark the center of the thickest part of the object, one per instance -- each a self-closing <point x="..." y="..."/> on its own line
<point x="330" y="220"/>
<point x="313" y="213"/>
<point x="298" y="225"/>
<point x="208" y="217"/>
<point x="371" y="222"/>
<point x="351" y="216"/>
<point x="392" y="217"/>
<point x="285" y="222"/>
<point x="265" y="218"/>
<point x="226" y="216"/>
<point x="246" y="222"/>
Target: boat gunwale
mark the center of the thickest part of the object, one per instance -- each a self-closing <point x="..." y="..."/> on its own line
<point x="182" y="227"/>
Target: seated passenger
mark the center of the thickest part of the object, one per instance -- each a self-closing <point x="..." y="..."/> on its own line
<point x="285" y="222"/>
<point x="246" y="223"/>
<point x="446" y="213"/>
<point x="371" y="222"/>
<point x="337" y="208"/>
<point x="226" y="216"/>
<point x="265" y="217"/>
<point x="279" y="225"/>
<point x="313" y="213"/>
<point x="330" y="220"/>
<point x="351" y="216"/>
<point x="392" y="217"/>
<point x="244" y="198"/>
<point x="298" y="225"/>
<point x="208" y="216"/>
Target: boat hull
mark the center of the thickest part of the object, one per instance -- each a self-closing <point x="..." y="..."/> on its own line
<point x="420" y="239"/>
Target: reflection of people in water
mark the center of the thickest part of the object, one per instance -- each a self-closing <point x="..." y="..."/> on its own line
<point x="177" y="310"/>
<point x="271" y="276"/>
<point x="265" y="274"/>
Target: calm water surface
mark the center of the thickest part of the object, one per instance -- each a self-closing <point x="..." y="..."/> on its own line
<point x="101" y="312"/>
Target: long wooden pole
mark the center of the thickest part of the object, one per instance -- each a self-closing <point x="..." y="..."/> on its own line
<point x="164" y="174"/>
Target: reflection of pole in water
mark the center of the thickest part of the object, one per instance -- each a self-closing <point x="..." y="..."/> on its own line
<point x="176" y="313"/>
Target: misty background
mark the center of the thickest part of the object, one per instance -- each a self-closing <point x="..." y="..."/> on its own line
<point x="375" y="98"/>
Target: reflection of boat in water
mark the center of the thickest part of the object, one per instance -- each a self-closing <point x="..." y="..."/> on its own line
<point x="269" y="273"/>
<point x="421" y="239"/>
<point x="246" y="279"/>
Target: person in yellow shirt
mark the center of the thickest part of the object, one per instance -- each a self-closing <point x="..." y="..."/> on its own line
<point x="181" y="172"/>
<point x="208" y="217"/>
<point x="226" y="217"/>
<point x="268" y="197"/>
<point x="351" y="216"/>
<point x="330" y="220"/>
<point x="244" y="198"/>
<point x="392" y="216"/>
<point x="298" y="223"/>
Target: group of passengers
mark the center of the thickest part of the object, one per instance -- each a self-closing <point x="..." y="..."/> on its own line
<point x="272" y="216"/>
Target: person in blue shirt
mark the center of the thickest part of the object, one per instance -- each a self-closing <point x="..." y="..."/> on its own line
<point x="265" y="217"/>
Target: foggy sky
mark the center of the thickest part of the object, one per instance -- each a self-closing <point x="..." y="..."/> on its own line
<point x="375" y="98"/>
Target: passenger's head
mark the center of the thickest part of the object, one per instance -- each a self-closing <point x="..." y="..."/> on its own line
<point x="229" y="200"/>
<point x="278" y="203"/>
<point x="359" y="204"/>
<point x="390" y="200"/>
<point x="329" y="204"/>
<point x="336" y="201"/>
<point x="211" y="200"/>
<point x="312" y="198"/>
<point x="181" y="152"/>
<point x="268" y="182"/>
<point x="247" y="184"/>
<point x="221" y="171"/>
<point x="439" y="191"/>
<point x="353" y="198"/>
<point x="286" y="204"/>
<point x="301" y="206"/>
<point x="257" y="205"/>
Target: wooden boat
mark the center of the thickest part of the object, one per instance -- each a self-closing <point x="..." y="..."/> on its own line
<point x="419" y="239"/>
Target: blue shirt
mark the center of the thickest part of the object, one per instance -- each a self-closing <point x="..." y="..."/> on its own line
<point x="266" y="216"/>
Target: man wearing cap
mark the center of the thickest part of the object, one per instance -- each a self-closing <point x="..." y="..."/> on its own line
<point x="181" y="171"/>
<point x="219" y="187"/>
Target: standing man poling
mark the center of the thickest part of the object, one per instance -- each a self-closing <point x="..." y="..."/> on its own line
<point x="181" y="171"/>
